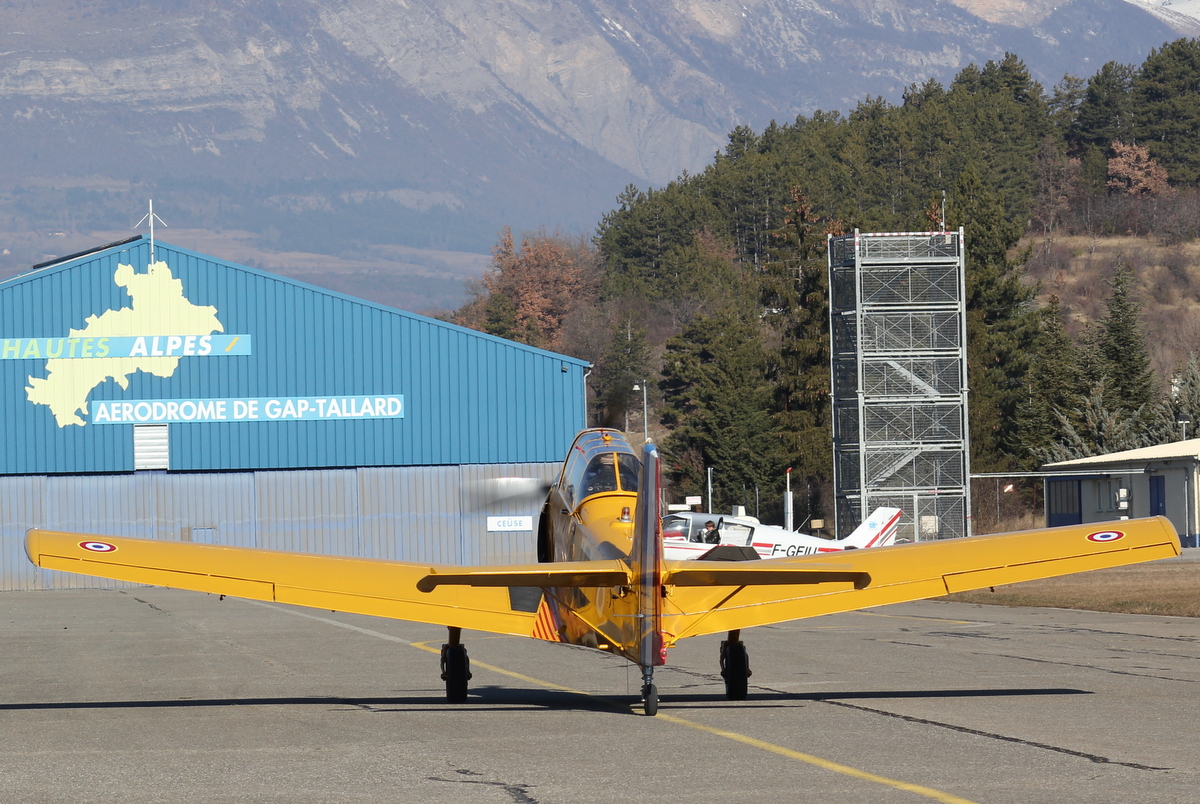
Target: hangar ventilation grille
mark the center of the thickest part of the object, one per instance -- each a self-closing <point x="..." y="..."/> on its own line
<point x="151" y="447"/>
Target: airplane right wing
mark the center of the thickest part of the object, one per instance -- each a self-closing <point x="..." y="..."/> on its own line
<point x="709" y="597"/>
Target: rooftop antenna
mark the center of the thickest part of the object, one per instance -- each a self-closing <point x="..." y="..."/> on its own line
<point x="943" y="218"/>
<point x="150" y="216"/>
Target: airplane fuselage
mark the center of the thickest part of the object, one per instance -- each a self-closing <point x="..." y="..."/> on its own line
<point x="589" y="516"/>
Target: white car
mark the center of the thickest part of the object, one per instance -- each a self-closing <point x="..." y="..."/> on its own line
<point x="683" y="535"/>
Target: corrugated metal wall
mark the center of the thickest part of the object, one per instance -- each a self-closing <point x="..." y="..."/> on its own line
<point x="469" y="398"/>
<point x="425" y="514"/>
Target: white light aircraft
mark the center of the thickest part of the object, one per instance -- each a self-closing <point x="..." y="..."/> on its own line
<point x="683" y="536"/>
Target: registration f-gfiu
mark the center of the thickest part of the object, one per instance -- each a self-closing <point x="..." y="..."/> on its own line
<point x="601" y="579"/>
<point x="684" y="536"/>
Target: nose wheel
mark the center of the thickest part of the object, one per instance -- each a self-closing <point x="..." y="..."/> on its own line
<point x="456" y="667"/>
<point x="650" y="700"/>
<point x="649" y="692"/>
<point x="735" y="667"/>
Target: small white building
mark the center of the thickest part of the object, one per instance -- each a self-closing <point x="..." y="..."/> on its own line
<point x="1151" y="481"/>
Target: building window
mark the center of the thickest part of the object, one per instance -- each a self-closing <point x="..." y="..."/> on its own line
<point x="150" y="447"/>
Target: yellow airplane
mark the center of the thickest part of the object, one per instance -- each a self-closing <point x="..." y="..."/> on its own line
<point x="601" y="580"/>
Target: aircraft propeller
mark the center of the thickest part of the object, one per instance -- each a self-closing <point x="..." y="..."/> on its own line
<point x="478" y="494"/>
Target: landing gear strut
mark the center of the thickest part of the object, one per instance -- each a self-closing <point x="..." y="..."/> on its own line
<point x="735" y="667"/>
<point x="456" y="667"/>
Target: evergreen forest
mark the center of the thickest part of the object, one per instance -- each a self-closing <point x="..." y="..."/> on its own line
<point x="709" y="294"/>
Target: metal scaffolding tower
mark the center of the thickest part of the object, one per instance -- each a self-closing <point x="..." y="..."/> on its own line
<point x="897" y="318"/>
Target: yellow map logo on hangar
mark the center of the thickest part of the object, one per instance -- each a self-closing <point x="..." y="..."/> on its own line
<point x="151" y="335"/>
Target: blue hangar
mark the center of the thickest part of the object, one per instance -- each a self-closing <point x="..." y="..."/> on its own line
<point x="193" y="399"/>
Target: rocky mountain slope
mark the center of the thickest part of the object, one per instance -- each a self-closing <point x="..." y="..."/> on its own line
<point x="349" y="126"/>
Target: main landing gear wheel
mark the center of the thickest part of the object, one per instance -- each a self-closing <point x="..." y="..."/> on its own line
<point x="650" y="699"/>
<point x="456" y="668"/>
<point x="735" y="669"/>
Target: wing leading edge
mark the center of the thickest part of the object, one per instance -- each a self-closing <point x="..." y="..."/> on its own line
<point x="463" y="597"/>
<point x="741" y="595"/>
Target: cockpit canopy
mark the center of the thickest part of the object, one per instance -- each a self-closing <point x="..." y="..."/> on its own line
<point x="601" y="461"/>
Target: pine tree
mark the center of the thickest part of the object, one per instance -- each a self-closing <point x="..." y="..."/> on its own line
<point x="1106" y="111"/>
<point x="1121" y="348"/>
<point x="1052" y="388"/>
<point x="716" y="400"/>
<point x="1001" y="324"/>
<point x="1184" y="402"/>
<point x="626" y="362"/>
<point x="1166" y="94"/>
<point x="1093" y="427"/>
<point x="1063" y="105"/>
<point x="795" y="295"/>
<point x="501" y="317"/>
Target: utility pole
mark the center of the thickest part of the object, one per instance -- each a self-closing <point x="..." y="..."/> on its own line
<point x="788" y="513"/>
<point x="645" y="412"/>
<point x="710" y="489"/>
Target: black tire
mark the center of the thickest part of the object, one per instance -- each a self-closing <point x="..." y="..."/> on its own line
<point x="735" y="669"/>
<point x="650" y="700"/>
<point x="456" y="670"/>
<point x="545" y="550"/>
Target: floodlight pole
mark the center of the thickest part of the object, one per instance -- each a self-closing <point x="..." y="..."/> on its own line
<point x="788" y="513"/>
<point x="645" y="415"/>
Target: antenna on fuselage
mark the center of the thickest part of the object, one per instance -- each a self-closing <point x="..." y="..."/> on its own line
<point x="150" y="216"/>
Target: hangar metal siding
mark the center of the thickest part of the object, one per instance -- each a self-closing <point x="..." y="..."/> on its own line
<point x="422" y="514"/>
<point x="469" y="398"/>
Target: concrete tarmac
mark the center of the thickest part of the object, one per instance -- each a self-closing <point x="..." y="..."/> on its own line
<point x="154" y="695"/>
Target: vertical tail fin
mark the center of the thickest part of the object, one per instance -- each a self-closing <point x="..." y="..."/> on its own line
<point x="646" y="561"/>
<point x="879" y="530"/>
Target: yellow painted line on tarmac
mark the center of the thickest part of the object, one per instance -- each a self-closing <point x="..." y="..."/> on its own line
<point x="425" y="646"/>
<point x="836" y="767"/>
<point x="809" y="759"/>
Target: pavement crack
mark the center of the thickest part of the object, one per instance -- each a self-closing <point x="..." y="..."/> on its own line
<point x="144" y="602"/>
<point x="1070" y="629"/>
<point x="994" y="736"/>
<point x="519" y="793"/>
<point x="1111" y="670"/>
<point x="968" y="635"/>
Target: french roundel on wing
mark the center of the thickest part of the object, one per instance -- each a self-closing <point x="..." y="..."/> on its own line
<point x="1106" y="536"/>
<point x="98" y="547"/>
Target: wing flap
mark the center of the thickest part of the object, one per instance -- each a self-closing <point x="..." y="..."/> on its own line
<point x="918" y="571"/>
<point x="561" y="574"/>
<point x="692" y="573"/>
<point x="358" y="585"/>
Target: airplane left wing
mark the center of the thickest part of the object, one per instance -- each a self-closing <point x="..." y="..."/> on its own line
<point x="480" y="598"/>
<point x="726" y="596"/>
